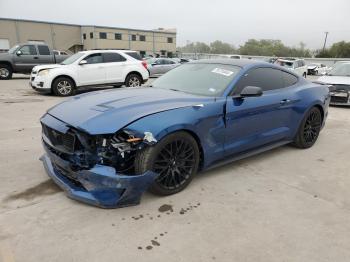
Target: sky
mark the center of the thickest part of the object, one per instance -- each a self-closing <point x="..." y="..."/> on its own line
<point x="235" y="21"/>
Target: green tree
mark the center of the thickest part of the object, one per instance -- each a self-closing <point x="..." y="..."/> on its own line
<point x="337" y="50"/>
<point x="218" y="47"/>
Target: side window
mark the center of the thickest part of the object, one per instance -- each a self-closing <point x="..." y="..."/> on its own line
<point x="112" y="57"/>
<point x="28" y="50"/>
<point x="264" y="77"/>
<point x="94" y="59"/>
<point x="55" y="52"/>
<point x="43" y="50"/>
<point x="289" y="79"/>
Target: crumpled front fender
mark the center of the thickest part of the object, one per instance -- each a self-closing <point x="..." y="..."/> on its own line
<point x="100" y="186"/>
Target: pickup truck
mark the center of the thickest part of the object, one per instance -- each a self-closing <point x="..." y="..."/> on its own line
<point x="23" y="57"/>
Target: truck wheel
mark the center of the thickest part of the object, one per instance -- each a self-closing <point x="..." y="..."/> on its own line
<point x="63" y="86"/>
<point x="133" y="80"/>
<point x="5" y="72"/>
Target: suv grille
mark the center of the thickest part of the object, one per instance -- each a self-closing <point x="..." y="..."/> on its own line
<point x="58" y="139"/>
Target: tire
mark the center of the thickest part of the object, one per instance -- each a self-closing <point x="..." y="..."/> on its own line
<point x="133" y="80"/>
<point x="5" y="72"/>
<point x="309" y="129"/>
<point x="63" y="86"/>
<point x="175" y="158"/>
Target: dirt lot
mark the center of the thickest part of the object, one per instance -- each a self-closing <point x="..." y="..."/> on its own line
<point x="283" y="205"/>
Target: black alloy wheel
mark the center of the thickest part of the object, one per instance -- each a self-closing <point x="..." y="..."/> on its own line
<point x="175" y="158"/>
<point x="174" y="164"/>
<point x="309" y="130"/>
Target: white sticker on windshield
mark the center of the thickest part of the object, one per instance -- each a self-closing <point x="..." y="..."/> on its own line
<point x="213" y="90"/>
<point x="222" y="71"/>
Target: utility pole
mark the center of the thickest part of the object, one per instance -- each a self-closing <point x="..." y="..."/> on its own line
<point x="325" y="41"/>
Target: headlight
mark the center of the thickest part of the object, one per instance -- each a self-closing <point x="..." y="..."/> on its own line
<point x="43" y="72"/>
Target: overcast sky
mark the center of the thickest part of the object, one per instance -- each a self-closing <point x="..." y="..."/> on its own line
<point x="233" y="21"/>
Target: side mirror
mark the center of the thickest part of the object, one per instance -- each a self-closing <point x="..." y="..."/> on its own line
<point x="19" y="53"/>
<point x="83" y="62"/>
<point x="250" y="91"/>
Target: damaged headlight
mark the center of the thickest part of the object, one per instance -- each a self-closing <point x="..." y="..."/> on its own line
<point x="119" y="150"/>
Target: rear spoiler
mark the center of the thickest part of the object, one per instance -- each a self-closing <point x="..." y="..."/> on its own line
<point x="330" y="87"/>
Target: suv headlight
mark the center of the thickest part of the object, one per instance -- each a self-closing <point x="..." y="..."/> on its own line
<point x="43" y="72"/>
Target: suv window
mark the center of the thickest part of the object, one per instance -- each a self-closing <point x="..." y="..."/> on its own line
<point x="289" y="79"/>
<point x="28" y="50"/>
<point x="94" y="58"/>
<point x="134" y="55"/>
<point x="112" y="57"/>
<point x="43" y="50"/>
<point x="264" y="77"/>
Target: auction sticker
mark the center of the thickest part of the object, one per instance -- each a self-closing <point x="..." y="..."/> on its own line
<point x="222" y="71"/>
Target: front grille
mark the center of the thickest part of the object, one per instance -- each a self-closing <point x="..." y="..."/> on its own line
<point x="339" y="99"/>
<point x="58" y="139"/>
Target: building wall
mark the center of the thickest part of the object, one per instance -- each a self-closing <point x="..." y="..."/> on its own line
<point x="71" y="37"/>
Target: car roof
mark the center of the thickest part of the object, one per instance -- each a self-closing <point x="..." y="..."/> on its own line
<point x="107" y="51"/>
<point x="234" y="62"/>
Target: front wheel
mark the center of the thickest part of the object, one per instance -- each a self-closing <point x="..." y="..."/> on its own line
<point x="175" y="158"/>
<point x="133" y="80"/>
<point x="309" y="129"/>
<point x="5" y="72"/>
<point x="63" y="86"/>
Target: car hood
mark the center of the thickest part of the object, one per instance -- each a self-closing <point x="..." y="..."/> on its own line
<point x="105" y="112"/>
<point x="49" y="66"/>
<point x="335" y="80"/>
<point x="312" y="67"/>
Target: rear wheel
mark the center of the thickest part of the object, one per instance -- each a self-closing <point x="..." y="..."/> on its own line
<point x="5" y="72"/>
<point x="175" y="158"/>
<point x="309" y="129"/>
<point x="133" y="80"/>
<point x="63" y="86"/>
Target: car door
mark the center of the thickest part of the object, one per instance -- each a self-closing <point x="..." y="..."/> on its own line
<point x="45" y="56"/>
<point x="168" y="65"/>
<point x="157" y="67"/>
<point x="93" y="71"/>
<point x="115" y="66"/>
<point x="252" y="122"/>
<point x="26" y="59"/>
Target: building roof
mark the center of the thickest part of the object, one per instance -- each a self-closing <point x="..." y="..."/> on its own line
<point x="161" y="30"/>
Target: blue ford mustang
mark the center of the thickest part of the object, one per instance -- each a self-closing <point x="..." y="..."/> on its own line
<point x="106" y="148"/>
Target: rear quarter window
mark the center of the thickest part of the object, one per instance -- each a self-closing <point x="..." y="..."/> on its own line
<point x="43" y="50"/>
<point x="134" y="55"/>
<point x="289" y="79"/>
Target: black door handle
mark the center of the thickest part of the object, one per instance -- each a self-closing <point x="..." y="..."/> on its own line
<point x="35" y="57"/>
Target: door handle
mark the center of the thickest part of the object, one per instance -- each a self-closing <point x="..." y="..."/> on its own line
<point x="285" y="101"/>
<point x="35" y="57"/>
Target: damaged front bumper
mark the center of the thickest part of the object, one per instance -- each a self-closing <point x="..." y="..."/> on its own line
<point x="100" y="186"/>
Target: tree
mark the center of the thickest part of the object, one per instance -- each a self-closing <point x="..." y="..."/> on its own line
<point x="337" y="50"/>
<point x="218" y="47"/>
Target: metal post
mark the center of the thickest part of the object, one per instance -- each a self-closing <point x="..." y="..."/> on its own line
<point x="325" y="41"/>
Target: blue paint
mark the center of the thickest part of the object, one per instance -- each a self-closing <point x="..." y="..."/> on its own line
<point x="225" y="127"/>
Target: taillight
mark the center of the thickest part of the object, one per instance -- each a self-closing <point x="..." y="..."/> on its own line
<point x="144" y="63"/>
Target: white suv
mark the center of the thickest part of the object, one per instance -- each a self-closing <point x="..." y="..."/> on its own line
<point x="90" y="68"/>
<point x="296" y="65"/>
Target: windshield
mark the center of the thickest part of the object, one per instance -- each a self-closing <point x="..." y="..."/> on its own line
<point x="198" y="79"/>
<point x="72" y="59"/>
<point x="340" y="70"/>
<point x="13" y="49"/>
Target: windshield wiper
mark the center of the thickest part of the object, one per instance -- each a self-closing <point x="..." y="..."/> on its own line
<point x="173" y="89"/>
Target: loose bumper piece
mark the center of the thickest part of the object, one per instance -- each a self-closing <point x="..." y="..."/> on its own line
<point x="100" y="186"/>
